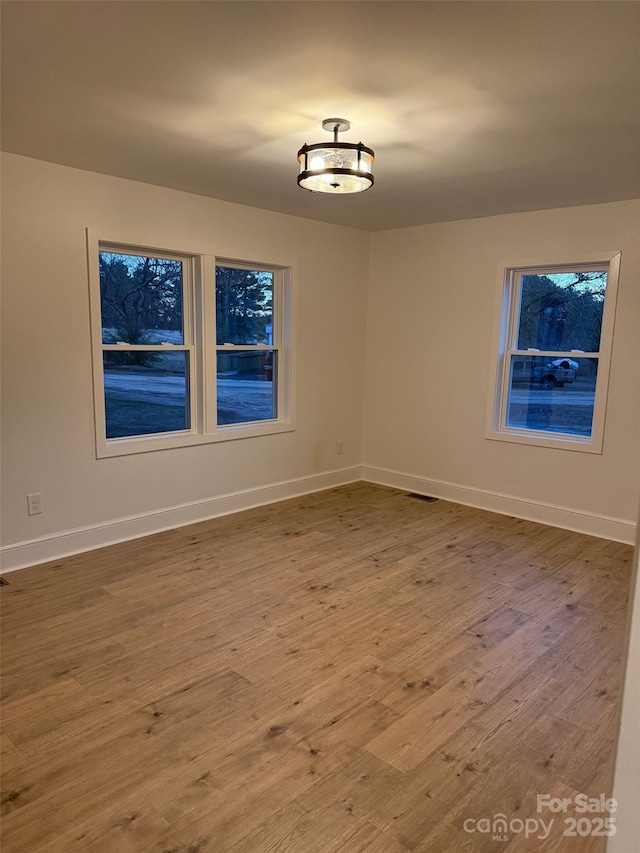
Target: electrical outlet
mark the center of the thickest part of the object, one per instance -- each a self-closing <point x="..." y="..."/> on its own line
<point x="339" y="447"/>
<point x="34" y="504"/>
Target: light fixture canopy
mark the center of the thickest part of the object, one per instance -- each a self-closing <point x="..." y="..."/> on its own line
<point x="335" y="167"/>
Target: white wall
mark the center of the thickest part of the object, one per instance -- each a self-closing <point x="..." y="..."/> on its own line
<point x="432" y="302"/>
<point x="48" y="429"/>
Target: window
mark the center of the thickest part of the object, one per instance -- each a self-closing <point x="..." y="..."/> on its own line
<point x="247" y="349"/>
<point x="554" y="346"/>
<point x="147" y="343"/>
<point x="187" y="349"/>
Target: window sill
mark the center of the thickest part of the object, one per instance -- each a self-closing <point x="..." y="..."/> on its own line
<point x="147" y="444"/>
<point x="553" y="440"/>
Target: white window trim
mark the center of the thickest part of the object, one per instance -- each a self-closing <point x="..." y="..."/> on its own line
<point x="505" y="316"/>
<point x="200" y="323"/>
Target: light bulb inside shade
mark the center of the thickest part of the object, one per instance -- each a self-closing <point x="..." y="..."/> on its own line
<point x="317" y="163"/>
<point x="365" y="166"/>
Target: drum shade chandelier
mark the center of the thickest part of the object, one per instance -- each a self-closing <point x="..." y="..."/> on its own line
<point x="335" y="167"/>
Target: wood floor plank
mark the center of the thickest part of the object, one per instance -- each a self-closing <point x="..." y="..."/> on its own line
<point x="10" y="756"/>
<point x="353" y="670"/>
<point x="121" y="828"/>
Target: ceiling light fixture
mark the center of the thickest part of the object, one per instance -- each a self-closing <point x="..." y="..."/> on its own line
<point x="335" y="167"/>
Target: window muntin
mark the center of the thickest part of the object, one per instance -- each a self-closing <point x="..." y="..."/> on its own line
<point x="554" y="352"/>
<point x="161" y="377"/>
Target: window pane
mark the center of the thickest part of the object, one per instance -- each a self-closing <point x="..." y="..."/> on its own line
<point x="141" y="299"/>
<point x="554" y="395"/>
<point x="244" y="306"/>
<point x="247" y="386"/>
<point x="146" y="392"/>
<point x="562" y="311"/>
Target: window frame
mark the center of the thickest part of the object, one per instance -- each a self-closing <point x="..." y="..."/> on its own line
<point x="505" y="339"/>
<point x="199" y="322"/>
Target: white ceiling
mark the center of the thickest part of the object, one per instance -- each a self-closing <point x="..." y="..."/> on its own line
<point x="473" y="108"/>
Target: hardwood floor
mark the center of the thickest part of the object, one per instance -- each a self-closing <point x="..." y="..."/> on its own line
<point x="355" y="670"/>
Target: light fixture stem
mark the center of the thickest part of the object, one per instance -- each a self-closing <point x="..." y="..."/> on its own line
<point x="335" y="133"/>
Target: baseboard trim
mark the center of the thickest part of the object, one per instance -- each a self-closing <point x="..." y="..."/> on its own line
<point x="76" y="541"/>
<point x="68" y="542"/>
<point x="605" y="527"/>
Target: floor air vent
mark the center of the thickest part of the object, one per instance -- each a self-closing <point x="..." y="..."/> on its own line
<point x="426" y="498"/>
